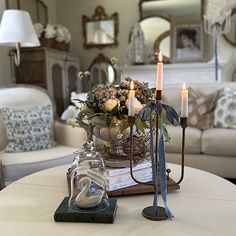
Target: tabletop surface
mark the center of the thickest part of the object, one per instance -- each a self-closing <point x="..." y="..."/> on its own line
<point x="204" y="205"/>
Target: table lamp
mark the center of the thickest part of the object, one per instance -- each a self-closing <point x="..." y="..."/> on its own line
<point x="17" y="30"/>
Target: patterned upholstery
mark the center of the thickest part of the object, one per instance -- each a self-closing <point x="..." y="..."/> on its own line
<point x="201" y="109"/>
<point x="28" y="130"/>
<point x="225" y="111"/>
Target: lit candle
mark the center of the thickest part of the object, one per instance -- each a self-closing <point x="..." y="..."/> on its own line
<point x="131" y="99"/>
<point x="159" y="82"/>
<point x="184" y="102"/>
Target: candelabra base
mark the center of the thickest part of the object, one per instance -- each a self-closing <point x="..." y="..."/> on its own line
<point x="156" y="215"/>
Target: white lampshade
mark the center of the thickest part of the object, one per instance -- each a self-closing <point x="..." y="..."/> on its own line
<point x="16" y="27"/>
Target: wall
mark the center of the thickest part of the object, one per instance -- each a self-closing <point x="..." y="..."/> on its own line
<point x="51" y="5"/>
<point x="69" y="13"/>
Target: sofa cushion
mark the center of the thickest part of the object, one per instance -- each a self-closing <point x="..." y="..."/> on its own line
<point x="201" y="109"/>
<point x="225" y="111"/>
<point x="172" y="97"/>
<point x="192" y="140"/>
<point x="18" y="165"/>
<point x="219" y="142"/>
<point x="28" y="130"/>
<point x="3" y="135"/>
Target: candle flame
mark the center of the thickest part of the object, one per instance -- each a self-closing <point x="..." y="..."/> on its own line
<point x="132" y="85"/>
<point x="184" y="86"/>
<point x="160" y="57"/>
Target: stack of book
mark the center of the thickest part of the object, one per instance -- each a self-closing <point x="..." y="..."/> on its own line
<point x="118" y="178"/>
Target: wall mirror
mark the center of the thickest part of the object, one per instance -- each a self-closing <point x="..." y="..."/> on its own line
<point x="162" y="44"/>
<point x="100" y="30"/>
<point x="36" y="8"/>
<point x="157" y="16"/>
<point x="154" y="29"/>
<point x="231" y="35"/>
<point x="102" y="72"/>
<point x="183" y="11"/>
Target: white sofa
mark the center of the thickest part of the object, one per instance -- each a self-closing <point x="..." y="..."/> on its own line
<point x="16" y="165"/>
<point x="212" y="150"/>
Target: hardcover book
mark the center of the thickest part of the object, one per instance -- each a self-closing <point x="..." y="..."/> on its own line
<point x="118" y="171"/>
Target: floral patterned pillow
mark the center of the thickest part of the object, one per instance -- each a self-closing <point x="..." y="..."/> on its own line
<point x="28" y="130"/>
<point x="201" y="109"/>
<point x="225" y="111"/>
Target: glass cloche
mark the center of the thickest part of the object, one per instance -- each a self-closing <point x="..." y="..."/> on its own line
<point x="88" y="183"/>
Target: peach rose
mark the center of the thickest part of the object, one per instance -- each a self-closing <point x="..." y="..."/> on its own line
<point x="110" y="104"/>
<point x="138" y="106"/>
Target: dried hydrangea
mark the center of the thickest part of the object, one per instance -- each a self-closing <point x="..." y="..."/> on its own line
<point x="60" y="35"/>
<point x="67" y="35"/>
<point x="39" y="28"/>
<point x="58" y="32"/>
<point x="50" y="31"/>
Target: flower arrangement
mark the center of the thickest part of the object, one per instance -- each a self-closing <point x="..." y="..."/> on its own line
<point x="108" y="104"/>
<point x="56" y="33"/>
<point x="104" y="114"/>
<point x="62" y="34"/>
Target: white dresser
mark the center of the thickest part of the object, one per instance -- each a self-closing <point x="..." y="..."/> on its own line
<point x="51" y="69"/>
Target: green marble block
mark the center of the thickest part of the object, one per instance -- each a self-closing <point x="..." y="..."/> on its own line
<point x="64" y="214"/>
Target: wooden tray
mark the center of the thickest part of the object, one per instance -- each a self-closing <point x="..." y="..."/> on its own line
<point x="136" y="189"/>
<point x="142" y="189"/>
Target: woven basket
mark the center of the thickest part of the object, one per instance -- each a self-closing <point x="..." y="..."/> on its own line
<point x="45" y="42"/>
<point x="114" y="159"/>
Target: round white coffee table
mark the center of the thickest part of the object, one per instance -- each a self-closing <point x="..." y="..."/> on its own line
<point x="204" y="205"/>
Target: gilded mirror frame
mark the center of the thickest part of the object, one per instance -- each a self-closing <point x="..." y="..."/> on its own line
<point x="101" y="58"/>
<point x="157" y="43"/>
<point x="152" y="59"/>
<point x="203" y="2"/>
<point x="41" y="5"/>
<point x="143" y="15"/>
<point x="225" y="35"/>
<point x="38" y="5"/>
<point x="100" y="15"/>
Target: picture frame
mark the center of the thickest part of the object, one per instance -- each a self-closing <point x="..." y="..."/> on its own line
<point x="187" y="43"/>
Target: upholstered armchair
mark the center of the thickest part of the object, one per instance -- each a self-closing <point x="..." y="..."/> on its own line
<point x="38" y="153"/>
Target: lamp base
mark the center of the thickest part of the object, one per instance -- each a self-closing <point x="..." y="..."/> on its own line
<point x="151" y="214"/>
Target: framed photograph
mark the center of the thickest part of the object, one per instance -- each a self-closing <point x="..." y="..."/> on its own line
<point x="187" y="43"/>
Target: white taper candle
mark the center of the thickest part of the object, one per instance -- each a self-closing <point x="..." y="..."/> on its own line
<point x="159" y="82"/>
<point x="184" y="102"/>
<point x="131" y="97"/>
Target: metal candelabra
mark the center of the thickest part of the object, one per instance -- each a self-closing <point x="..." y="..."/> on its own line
<point x="148" y="212"/>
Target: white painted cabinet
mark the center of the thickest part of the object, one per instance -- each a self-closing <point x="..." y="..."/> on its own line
<point x="54" y="70"/>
